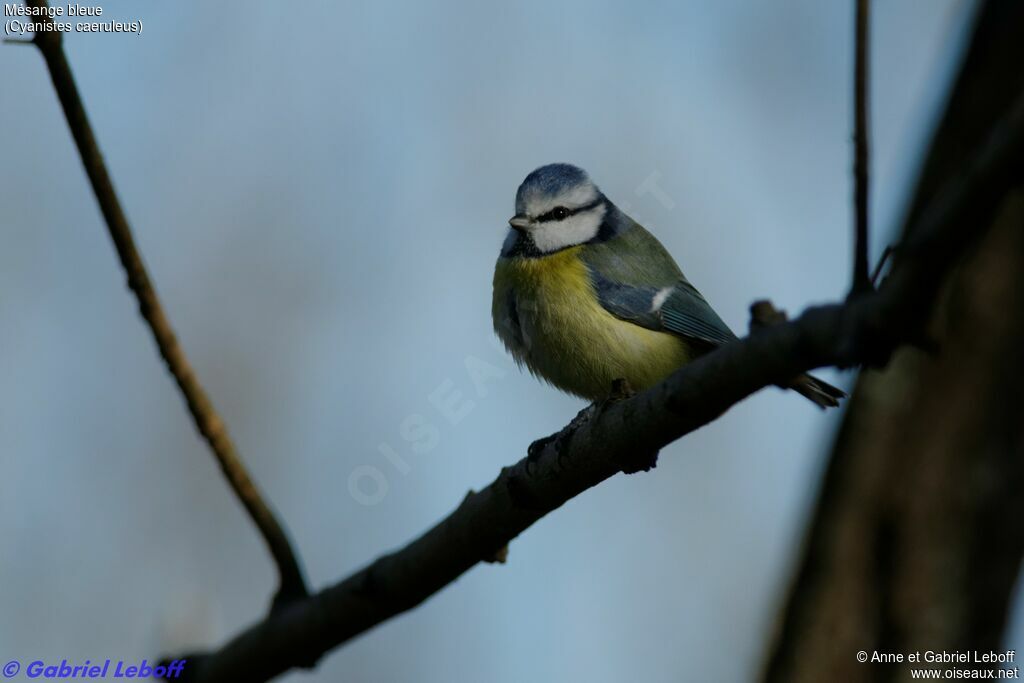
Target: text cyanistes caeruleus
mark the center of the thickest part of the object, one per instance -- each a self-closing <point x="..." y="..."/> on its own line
<point x="584" y="295"/>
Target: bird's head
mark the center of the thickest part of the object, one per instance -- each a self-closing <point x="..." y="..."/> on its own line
<point x="557" y="206"/>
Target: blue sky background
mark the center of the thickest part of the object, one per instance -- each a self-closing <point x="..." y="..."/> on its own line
<point x="320" y="195"/>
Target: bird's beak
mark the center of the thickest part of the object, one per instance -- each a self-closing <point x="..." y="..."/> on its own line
<point x="519" y="222"/>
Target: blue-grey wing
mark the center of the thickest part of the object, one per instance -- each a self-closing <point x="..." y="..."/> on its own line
<point x="685" y="311"/>
<point x="627" y="302"/>
<point x="677" y="308"/>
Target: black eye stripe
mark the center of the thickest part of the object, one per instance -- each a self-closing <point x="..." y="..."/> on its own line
<point x="552" y="215"/>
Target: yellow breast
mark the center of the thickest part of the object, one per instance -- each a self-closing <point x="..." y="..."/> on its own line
<point x="548" y="315"/>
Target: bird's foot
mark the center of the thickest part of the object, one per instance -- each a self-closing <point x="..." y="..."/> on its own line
<point x="559" y="438"/>
<point x="621" y="390"/>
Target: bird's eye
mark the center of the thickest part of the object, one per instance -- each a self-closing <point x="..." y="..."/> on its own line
<point x="556" y="214"/>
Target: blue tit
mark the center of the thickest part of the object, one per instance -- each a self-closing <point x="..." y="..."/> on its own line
<point x="584" y="295"/>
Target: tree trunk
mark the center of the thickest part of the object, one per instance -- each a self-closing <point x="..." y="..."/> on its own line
<point x="918" y="534"/>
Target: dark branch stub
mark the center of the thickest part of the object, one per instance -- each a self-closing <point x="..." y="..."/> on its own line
<point x="764" y="314"/>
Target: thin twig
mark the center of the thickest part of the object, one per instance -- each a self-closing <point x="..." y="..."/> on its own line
<point x="207" y="420"/>
<point x="882" y="260"/>
<point x="861" y="281"/>
<point x="605" y="439"/>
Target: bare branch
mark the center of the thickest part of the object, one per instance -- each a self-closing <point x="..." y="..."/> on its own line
<point x="882" y="260"/>
<point x="207" y="420"/>
<point x="861" y="281"/>
<point x="612" y="437"/>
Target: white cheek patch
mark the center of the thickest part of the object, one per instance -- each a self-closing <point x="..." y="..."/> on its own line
<point x="582" y="227"/>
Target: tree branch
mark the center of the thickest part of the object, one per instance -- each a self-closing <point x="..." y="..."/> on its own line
<point x="206" y="418"/>
<point x="620" y="434"/>
<point x="861" y="280"/>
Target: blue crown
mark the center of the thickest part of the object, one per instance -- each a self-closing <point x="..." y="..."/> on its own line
<point x="549" y="181"/>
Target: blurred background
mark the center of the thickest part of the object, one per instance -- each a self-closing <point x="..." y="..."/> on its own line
<point x="320" y="196"/>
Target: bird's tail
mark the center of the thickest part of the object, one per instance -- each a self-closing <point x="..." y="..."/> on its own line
<point x="822" y="394"/>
